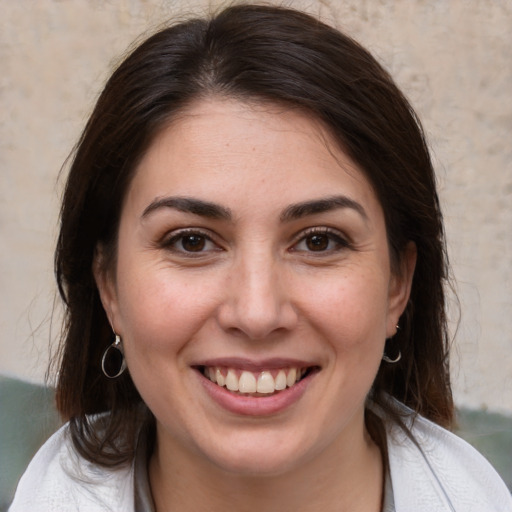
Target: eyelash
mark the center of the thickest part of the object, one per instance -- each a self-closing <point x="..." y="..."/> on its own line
<point x="182" y="234"/>
<point x="332" y="236"/>
<point x="203" y="238"/>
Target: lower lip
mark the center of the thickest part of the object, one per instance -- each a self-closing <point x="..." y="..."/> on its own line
<point x="256" y="406"/>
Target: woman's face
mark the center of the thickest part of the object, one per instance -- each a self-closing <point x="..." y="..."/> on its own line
<point x="252" y="254"/>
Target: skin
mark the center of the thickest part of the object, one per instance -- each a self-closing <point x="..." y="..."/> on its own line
<point x="258" y="287"/>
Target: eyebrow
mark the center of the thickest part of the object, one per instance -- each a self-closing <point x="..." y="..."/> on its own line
<point x="189" y="205"/>
<point x="291" y="212"/>
<point x="300" y="210"/>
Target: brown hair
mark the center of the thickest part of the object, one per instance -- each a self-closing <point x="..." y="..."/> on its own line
<point x="267" y="54"/>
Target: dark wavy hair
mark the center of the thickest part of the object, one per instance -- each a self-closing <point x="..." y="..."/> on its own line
<point x="256" y="53"/>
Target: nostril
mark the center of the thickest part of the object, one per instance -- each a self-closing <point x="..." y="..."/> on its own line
<point x="257" y="323"/>
<point x="256" y="302"/>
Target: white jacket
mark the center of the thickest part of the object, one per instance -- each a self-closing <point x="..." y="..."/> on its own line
<point x="434" y="471"/>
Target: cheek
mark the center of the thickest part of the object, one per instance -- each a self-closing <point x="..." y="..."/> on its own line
<point x="351" y="306"/>
<point x="159" y="309"/>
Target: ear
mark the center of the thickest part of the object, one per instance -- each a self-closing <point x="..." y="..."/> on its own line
<point x="105" y="281"/>
<point x="400" y="287"/>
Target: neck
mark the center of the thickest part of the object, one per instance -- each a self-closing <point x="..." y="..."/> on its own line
<point x="345" y="477"/>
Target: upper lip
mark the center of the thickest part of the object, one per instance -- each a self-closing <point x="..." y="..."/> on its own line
<point x="255" y="364"/>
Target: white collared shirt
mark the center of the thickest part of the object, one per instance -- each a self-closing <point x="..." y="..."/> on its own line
<point x="430" y="469"/>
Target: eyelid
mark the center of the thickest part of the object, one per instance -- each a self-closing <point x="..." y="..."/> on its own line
<point x="172" y="237"/>
<point x="336" y="235"/>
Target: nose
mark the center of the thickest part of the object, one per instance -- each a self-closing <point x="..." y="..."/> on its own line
<point x="258" y="302"/>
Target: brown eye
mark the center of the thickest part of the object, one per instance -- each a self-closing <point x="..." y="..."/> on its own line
<point x="193" y="243"/>
<point x="317" y="242"/>
<point x="321" y="240"/>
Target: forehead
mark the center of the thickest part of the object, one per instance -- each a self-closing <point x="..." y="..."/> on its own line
<point x="233" y="150"/>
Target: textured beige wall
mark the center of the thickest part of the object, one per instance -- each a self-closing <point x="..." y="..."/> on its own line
<point x="452" y="57"/>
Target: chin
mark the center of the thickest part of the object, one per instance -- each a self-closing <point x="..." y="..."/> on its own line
<point x="257" y="458"/>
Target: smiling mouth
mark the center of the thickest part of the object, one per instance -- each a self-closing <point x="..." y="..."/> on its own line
<point x="256" y="384"/>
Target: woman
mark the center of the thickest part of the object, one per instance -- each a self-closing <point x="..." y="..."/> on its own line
<point x="252" y="261"/>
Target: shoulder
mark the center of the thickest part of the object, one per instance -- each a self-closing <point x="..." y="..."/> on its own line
<point x="433" y="469"/>
<point x="60" y="480"/>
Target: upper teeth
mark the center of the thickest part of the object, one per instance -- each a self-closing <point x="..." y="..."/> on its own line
<point x="265" y="381"/>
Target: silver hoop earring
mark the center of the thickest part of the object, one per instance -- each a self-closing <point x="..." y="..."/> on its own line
<point x="387" y="359"/>
<point x="392" y="361"/>
<point x="113" y="363"/>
